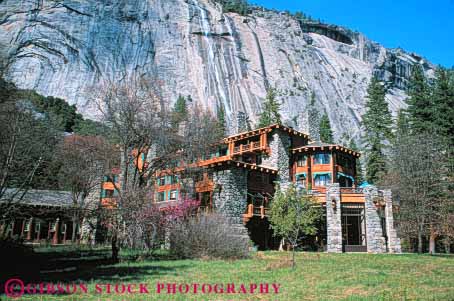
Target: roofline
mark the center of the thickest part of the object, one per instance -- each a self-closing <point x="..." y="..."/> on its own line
<point x="329" y="147"/>
<point x="266" y="129"/>
<point x="243" y="165"/>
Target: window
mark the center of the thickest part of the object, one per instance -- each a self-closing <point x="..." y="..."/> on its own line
<point x="173" y="195"/>
<point x="161" y="196"/>
<point x="301" y="160"/>
<point x="322" y="180"/>
<point x="322" y="158"/>
<point x="161" y="181"/>
<point x="173" y="180"/>
<point x="109" y="193"/>
<point x="258" y="159"/>
<point x="301" y="180"/>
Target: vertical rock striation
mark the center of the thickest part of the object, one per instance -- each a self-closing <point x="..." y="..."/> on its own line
<point x="67" y="48"/>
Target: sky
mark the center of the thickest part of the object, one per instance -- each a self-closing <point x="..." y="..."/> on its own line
<point x="421" y="26"/>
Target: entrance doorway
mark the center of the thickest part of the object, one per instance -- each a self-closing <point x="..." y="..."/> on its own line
<point x="353" y="228"/>
<point x="205" y="200"/>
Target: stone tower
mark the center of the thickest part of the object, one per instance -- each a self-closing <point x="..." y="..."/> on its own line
<point x="310" y="122"/>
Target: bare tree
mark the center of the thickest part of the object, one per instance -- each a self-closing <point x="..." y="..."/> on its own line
<point x="83" y="164"/>
<point x="418" y="177"/>
<point x="138" y="116"/>
<point x="27" y="140"/>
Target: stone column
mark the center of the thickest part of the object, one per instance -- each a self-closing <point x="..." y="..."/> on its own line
<point x="31" y="229"/>
<point x="310" y="122"/>
<point x="333" y="219"/>
<point x="279" y="158"/>
<point x="391" y="233"/>
<point x="230" y="197"/>
<point x="90" y="221"/>
<point x="56" y="238"/>
<point x="374" y="234"/>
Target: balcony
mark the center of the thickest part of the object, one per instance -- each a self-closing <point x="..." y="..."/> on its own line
<point x="249" y="147"/>
<point x="253" y="210"/>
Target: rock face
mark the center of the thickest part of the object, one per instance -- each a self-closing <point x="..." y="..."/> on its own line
<point x="66" y="48"/>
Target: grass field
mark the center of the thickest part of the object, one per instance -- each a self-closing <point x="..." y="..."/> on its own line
<point x="318" y="276"/>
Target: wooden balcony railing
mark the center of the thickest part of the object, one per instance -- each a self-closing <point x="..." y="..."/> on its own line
<point x="252" y="211"/>
<point x="242" y="148"/>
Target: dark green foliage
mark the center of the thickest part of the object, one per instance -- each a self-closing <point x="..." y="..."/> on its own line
<point x="180" y="111"/>
<point x="326" y="134"/>
<point x="420" y="103"/>
<point x="221" y="120"/>
<point x="270" y="113"/>
<point x="443" y="99"/>
<point x="241" y="7"/>
<point x="67" y="114"/>
<point x="377" y="122"/>
<point x="88" y="127"/>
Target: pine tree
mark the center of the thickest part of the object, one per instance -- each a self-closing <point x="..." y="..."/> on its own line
<point x="420" y="105"/>
<point x="270" y="114"/>
<point x="443" y="104"/>
<point x="326" y="134"/>
<point x="221" y="120"/>
<point x="377" y="122"/>
<point x="180" y="111"/>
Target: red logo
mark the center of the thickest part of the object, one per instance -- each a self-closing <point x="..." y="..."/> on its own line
<point x="14" y="288"/>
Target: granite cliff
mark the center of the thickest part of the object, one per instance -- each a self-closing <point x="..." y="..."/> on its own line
<point x="65" y="48"/>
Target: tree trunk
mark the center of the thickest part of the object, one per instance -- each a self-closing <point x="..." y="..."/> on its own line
<point x="281" y="245"/>
<point x="433" y="235"/>
<point x="115" y="248"/>
<point x="419" y="239"/>
<point x="293" y="257"/>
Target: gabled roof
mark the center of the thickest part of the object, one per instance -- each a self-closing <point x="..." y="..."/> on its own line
<point x="316" y="146"/>
<point x="267" y="129"/>
<point x="38" y="197"/>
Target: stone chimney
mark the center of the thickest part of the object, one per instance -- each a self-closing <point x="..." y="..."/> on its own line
<point x="311" y="123"/>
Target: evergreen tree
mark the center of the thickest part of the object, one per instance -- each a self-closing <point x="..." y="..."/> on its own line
<point x="180" y="111"/>
<point x="270" y="114"/>
<point x="420" y="105"/>
<point x="326" y="134"/>
<point x="377" y="122"/>
<point x="221" y="120"/>
<point x="443" y="104"/>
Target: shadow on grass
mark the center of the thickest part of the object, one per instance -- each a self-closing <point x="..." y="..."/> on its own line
<point x="71" y="265"/>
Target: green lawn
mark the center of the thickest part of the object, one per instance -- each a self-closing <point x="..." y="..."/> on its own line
<point x="318" y="276"/>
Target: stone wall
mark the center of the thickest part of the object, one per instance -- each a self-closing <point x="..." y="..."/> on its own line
<point x="230" y="193"/>
<point x="391" y="233"/>
<point x="333" y="219"/>
<point x="90" y="223"/>
<point x="279" y="157"/>
<point x="374" y="234"/>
